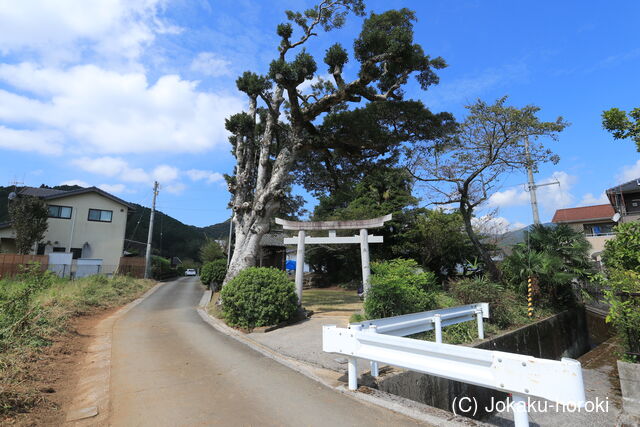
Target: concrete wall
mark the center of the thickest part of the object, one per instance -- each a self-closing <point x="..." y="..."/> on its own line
<point x="563" y="335"/>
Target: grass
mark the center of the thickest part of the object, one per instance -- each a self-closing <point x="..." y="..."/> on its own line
<point x="35" y="308"/>
<point x="332" y="300"/>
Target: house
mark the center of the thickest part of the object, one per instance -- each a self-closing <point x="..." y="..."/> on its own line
<point x="625" y="199"/>
<point x="87" y="223"/>
<point x="596" y="222"/>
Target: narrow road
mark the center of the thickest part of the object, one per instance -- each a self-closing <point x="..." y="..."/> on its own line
<point x="169" y="368"/>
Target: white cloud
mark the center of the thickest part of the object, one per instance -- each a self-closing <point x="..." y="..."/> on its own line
<point x="493" y="225"/>
<point x="590" y="199"/>
<point x="113" y="188"/>
<point x="62" y="30"/>
<point x="629" y="173"/>
<point x="208" y="176"/>
<point x="101" y="111"/>
<point x="209" y="64"/>
<point x="550" y="197"/>
<point x="76" y="182"/>
<point x="510" y="197"/>
<point x="164" y="173"/>
<point x="112" y="167"/>
<point x="42" y="142"/>
<point x="176" y="188"/>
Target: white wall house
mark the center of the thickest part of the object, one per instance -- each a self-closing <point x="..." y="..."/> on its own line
<point x="88" y="223"/>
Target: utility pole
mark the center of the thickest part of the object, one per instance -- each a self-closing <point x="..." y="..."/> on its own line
<point x="531" y="185"/>
<point x="147" y="265"/>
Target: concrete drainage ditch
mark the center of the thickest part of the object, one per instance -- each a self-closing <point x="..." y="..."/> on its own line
<point x="568" y="334"/>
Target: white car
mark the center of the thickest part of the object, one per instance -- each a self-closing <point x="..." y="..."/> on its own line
<point x="190" y="272"/>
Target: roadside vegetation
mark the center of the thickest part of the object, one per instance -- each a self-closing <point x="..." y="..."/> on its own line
<point x="622" y="287"/>
<point x="36" y="308"/>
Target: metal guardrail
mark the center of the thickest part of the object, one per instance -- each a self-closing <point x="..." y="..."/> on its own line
<point x="523" y="376"/>
<point x="414" y="323"/>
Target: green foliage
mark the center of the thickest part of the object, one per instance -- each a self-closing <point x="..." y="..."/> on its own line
<point x="623" y="297"/>
<point x="399" y="287"/>
<point x="213" y="272"/>
<point x="211" y="251"/>
<point x="259" y="297"/>
<point x="28" y="217"/>
<point x="555" y="257"/>
<point x="17" y="311"/>
<point x="623" y="251"/>
<point x="35" y="307"/>
<point x="505" y="308"/>
<point x="623" y="125"/>
<point x="161" y="268"/>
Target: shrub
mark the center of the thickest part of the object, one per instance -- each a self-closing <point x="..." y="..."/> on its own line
<point x="213" y="273"/>
<point x="504" y="307"/>
<point x="399" y="287"/>
<point x="257" y="297"/>
<point x="624" y="311"/>
<point x="623" y="251"/>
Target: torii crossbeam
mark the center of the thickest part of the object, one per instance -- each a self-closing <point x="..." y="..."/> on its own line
<point x="364" y="239"/>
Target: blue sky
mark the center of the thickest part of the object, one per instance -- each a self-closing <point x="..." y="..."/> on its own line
<point x="118" y="93"/>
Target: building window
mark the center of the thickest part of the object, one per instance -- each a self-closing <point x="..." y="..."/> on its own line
<point x="100" y="215"/>
<point x="602" y="229"/>
<point x="58" y="249"/>
<point x="60" y="211"/>
<point x="77" y="253"/>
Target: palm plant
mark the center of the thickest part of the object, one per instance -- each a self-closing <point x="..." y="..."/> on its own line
<point x="554" y="257"/>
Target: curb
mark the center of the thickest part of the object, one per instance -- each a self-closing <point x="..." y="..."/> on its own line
<point x="91" y="405"/>
<point x="330" y="379"/>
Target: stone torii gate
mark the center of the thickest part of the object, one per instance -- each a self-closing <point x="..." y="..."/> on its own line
<point x="331" y="226"/>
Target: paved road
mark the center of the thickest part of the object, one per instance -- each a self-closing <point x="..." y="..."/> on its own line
<point x="169" y="368"/>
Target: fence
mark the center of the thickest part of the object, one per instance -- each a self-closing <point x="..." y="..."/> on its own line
<point x="10" y="263"/>
<point x="132" y="266"/>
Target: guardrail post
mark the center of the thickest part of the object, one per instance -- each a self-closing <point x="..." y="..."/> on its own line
<point x="480" y="324"/>
<point x="374" y="365"/>
<point x="520" y="414"/>
<point x="437" y="321"/>
<point x="353" y="364"/>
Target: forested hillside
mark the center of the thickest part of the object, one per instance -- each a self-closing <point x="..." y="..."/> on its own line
<point x="170" y="236"/>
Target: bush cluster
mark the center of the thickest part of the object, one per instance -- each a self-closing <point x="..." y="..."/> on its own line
<point x="504" y="307"/>
<point x="257" y="297"/>
<point x="399" y="287"/>
<point x="624" y="310"/>
<point x="212" y="273"/>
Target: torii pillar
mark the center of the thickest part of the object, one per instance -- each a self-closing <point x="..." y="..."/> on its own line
<point x="331" y="226"/>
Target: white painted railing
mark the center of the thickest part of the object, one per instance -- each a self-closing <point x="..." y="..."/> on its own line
<point x="414" y="323"/>
<point x="523" y="376"/>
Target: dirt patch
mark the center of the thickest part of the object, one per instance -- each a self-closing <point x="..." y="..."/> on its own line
<point x="51" y="375"/>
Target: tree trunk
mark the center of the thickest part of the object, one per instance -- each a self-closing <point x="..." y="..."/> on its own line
<point x="494" y="272"/>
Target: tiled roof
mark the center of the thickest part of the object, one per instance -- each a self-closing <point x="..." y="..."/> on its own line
<point x="40" y="192"/>
<point x="272" y="239"/>
<point x="49" y="193"/>
<point x="585" y="213"/>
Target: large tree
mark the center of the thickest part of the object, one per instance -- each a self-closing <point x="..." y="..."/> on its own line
<point x="489" y="144"/>
<point x="283" y="120"/>
<point x="28" y="217"/>
<point x="623" y="125"/>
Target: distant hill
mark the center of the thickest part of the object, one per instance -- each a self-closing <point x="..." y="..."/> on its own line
<point x="170" y="236"/>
